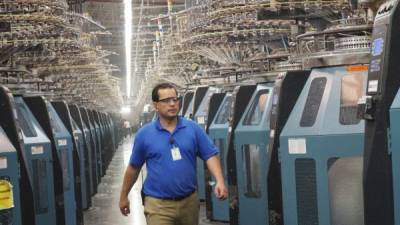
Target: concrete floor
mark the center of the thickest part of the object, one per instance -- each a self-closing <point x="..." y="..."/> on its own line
<point x="105" y="211"/>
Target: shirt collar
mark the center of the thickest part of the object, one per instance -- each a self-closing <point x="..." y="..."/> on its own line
<point x="181" y="123"/>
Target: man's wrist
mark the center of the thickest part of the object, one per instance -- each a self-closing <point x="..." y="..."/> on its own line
<point x="123" y="195"/>
<point x="219" y="181"/>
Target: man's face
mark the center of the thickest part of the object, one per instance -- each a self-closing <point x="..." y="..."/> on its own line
<point x="168" y="104"/>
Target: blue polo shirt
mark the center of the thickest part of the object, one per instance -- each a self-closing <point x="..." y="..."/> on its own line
<point x="168" y="178"/>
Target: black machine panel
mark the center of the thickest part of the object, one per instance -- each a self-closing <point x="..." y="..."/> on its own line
<point x="186" y="101"/>
<point x="38" y="107"/>
<point x="241" y="96"/>
<point x="383" y="83"/>
<point x="76" y="116"/>
<point x="215" y="101"/>
<point x="198" y="97"/>
<point x="65" y="115"/>
<point x="91" y="140"/>
<point x="287" y="89"/>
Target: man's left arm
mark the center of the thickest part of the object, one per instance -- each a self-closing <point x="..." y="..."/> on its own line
<point x="214" y="165"/>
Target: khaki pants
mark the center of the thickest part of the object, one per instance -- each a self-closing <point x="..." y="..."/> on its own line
<point x="170" y="212"/>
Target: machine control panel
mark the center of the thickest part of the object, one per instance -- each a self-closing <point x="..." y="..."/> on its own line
<point x="382" y="38"/>
<point x="380" y="45"/>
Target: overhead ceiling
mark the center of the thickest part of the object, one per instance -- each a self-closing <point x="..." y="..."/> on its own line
<point x="145" y="13"/>
<point x="110" y="13"/>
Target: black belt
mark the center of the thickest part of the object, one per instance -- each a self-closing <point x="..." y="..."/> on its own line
<point x="175" y="198"/>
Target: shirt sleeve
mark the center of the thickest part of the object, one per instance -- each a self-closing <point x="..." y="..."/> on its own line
<point x="205" y="146"/>
<point x="138" y="155"/>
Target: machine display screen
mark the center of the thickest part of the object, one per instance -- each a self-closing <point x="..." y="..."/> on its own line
<point x="378" y="58"/>
<point x="377" y="47"/>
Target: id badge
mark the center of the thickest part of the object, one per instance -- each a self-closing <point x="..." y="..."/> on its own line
<point x="176" y="153"/>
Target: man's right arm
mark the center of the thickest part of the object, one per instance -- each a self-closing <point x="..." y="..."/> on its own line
<point x="130" y="177"/>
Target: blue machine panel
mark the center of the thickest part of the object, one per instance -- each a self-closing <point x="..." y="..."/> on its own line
<point x="95" y="150"/>
<point x="84" y="172"/>
<point x="251" y="141"/>
<point x="102" y="143"/>
<point x="321" y="149"/>
<point x="200" y="117"/>
<point x="113" y="134"/>
<point x="9" y="172"/>
<point x="394" y="141"/>
<point x="8" y="121"/>
<point x="85" y="149"/>
<point x="89" y="153"/>
<point x="64" y="147"/>
<point x="91" y="146"/>
<point x="38" y="149"/>
<point x="218" y="132"/>
<point x="109" y="139"/>
<point x="64" y="113"/>
<point x="96" y="139"/>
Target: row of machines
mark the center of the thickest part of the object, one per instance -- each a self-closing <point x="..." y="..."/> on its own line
<point x="317" y="147"/>
<point x="52" y="158"/>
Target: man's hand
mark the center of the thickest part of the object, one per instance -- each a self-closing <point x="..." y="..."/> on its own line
<point x="220" y="191"/>
<point x="124" y="206"/>
<point x="214" y="165"/>
<point x="130" y="177"/>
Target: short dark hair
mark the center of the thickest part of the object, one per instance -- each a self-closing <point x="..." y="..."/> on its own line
<point x="154" y="94"/>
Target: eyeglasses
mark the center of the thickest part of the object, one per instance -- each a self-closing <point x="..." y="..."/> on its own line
<point x="169" y="100"/>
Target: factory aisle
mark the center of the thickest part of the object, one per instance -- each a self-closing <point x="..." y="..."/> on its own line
<point x="105" y="211"/>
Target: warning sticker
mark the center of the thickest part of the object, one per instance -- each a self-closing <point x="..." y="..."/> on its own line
<point x="62" y="142"/>
<point x="3" y="162"/>
<point x="373" y="86"/>
<point x="36" y="150"/>
<point x="297" y="146"/>
<point x="201" y="120"/>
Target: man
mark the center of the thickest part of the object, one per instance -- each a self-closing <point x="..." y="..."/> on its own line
<point x="127" y="128"/>
<point x="169" y="146"/>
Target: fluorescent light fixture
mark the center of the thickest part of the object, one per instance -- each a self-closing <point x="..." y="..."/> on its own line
<point x="125" y="109"/>
<point x="128" y="44"/>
